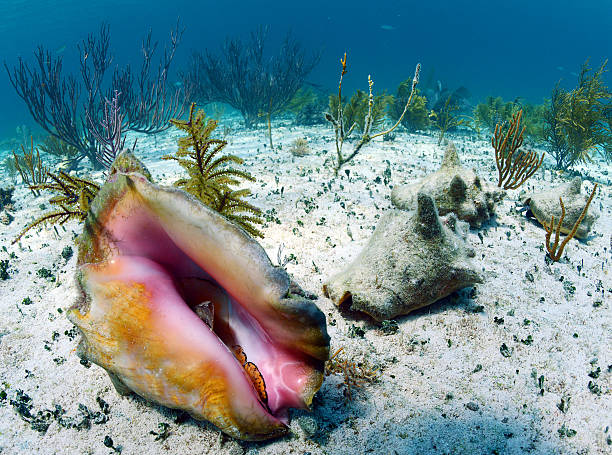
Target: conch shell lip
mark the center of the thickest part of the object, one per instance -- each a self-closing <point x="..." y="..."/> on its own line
<point x="150" y="253"/>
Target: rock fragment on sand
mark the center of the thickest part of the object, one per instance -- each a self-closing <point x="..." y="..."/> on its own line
<point x="413" y="259"/>
<point x="545" y="204"/>
<point x="6" y="217"/>
<point x="455" y="189"/>
<point x="6" y="195"/>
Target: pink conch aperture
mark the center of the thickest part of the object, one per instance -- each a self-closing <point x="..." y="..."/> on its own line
<point x="171" y="290"/>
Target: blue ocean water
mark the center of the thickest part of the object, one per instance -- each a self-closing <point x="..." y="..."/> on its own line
<point x="511" y="49"/>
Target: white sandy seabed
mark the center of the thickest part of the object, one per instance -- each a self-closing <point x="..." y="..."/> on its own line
<point x="444" y="386"/>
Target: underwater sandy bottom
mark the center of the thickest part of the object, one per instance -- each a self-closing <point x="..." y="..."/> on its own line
<point x="444" y="386"/>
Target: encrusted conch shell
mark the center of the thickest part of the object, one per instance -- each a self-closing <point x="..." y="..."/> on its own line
<point x="185" y="309"/>
<point x="413" y="259"/>
<point x="545" y="204"/>
<point x="455" y="189"/>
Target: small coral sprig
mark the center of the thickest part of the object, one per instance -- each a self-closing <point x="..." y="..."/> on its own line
<point x="446" y="119"/>
<point x="555" y="250"/>
<point x="354" y="375"/>
<point x="210" y="177"/>
<point x="73" y="197"/>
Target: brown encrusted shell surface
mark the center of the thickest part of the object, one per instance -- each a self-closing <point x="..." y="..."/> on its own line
<point x="412" y="260"/>
<point x="546" y="204"/>
<point x="455" y="189"/>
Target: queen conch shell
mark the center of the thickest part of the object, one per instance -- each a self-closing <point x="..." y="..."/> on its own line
<point x="185" y="309"/>
<point x="413" y="259"/>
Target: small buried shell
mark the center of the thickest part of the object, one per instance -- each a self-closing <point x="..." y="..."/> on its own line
<point x="170" y="288"/>
<point x="545" y="204"/>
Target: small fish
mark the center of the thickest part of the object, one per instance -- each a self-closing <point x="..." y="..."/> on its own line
<point x="387" y="27"/>
<point x="573" y="74"/>
<point x="60" y="49"/>
<point x="560" y="68"/>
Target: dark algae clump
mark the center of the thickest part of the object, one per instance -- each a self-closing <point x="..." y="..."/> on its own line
<point x="41" y="420"/>
<point x="4" y="267"/>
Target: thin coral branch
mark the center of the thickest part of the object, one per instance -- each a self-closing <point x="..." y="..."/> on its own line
<point x="55" y="217"/>
<point x="30" y="167"/>
<point x="338" y="122"/>
<point x="513" y="168"/>
<point x="415" y="81"/>
<point x="555" y="251"/>
<point x="150" y="107"/>
<point x="108" y="133"/>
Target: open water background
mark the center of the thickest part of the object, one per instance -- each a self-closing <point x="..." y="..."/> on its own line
<point x="517" y="48"/>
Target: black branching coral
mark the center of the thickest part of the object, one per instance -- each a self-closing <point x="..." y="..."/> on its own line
<point x="73" y="195"/>
<point x="211" y="176"/>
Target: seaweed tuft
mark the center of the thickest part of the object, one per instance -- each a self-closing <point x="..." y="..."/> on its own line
<point x="72" y="199"/>
<point x="211" y="177"/>
<point x="578" y="123"/>
<point x="4" y="266"/>
<point x="6" y="197"/>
